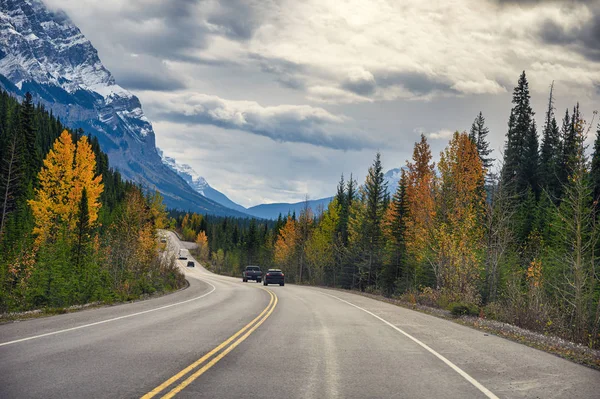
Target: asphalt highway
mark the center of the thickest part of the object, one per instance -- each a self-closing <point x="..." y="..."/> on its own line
<point x="222" y="338"/>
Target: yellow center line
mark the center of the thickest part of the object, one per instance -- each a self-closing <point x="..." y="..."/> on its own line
<point x="208" y="365"/>
<point x="182" y="373"/>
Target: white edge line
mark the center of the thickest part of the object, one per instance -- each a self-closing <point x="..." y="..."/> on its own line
<point x="109" y="320"/>
<point x="454" y="367"/>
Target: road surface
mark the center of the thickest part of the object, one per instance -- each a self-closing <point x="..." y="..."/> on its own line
<point x="221" y="338"/>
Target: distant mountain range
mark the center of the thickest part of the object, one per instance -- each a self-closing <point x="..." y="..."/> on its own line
<point x="264" y="211"/>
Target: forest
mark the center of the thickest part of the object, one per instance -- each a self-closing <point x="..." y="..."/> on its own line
<point x="513" y="239"/>
<point x="72" y="231"/>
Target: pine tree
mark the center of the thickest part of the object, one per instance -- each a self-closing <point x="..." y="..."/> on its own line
<point x="342" y="204"/>
<point x="531" y="161"/>
<point x="519" y="141"/>
<point x="394" y="228"/>
<point x="375" y="189"/>
<point x="570" y="143"/>
<point x="12" y="175"/>
<point x="568" y="148"/>
<point x="595" y="172"/>
<point x="478" y="135"/>
<point x="550" y="156"/>
<point x="28" y="131"/>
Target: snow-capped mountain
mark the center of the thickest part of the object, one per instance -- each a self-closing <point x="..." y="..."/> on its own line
<point x="199" y="183"/>
<point x="44" y="53"/>
<point x="392" y="178"/>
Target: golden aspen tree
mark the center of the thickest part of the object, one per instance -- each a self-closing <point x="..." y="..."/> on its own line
<point x="285" y="246"/>
<point x="460" y="208"/>
<point x="420" y="204"/>
<point x="68" y="168"/>
<point x="84" y="177"/>
<point x="202" y="242"/>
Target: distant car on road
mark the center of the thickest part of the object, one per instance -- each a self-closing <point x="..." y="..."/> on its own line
<point x="252" y="273"/>
<point x="191" y="263"/>
<point x="274" y="276"/>
<point x="163" y="239"/>
<point x="183" y="254"/>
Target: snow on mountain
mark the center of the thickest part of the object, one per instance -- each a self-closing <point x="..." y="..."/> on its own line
<point x="44" y="53"/>
<point x="199" y="183"/>
<point x="392" y="178"/>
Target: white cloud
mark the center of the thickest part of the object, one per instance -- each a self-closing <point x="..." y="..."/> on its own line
<point x="285" y="123"/>
<point x="440" y="134"/>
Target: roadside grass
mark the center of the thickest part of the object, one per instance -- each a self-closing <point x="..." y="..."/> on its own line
<point x="53" y="311"/>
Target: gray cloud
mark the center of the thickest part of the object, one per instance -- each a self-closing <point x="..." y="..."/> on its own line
<point x="360" y="82"/>
<point x="235" y="19"/>
<point x="537" y="2"/>
<point x="417" y="83"/>
<point x="284" y="123"/>
<point x="142" y="72"/>
<point x="286" y="72"/>
<point x="584" y="38"/>
<point x="173" y="29"/>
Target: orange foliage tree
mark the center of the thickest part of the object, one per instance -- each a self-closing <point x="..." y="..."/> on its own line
<point x="68" y="169"/>
<point x="202" y="242"/>
<point x="459" y="231"/>
<point x="420" y="203"/>
<point x="286" y="245"/>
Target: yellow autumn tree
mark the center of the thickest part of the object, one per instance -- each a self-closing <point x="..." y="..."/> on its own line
<point x="459" y="229"/>
<point x="202" y="242"/>
<point x="286" y="245"/>
<point x="420" y="204"/>
<point x="321" y="248"/>
<point x="68" y="169"/>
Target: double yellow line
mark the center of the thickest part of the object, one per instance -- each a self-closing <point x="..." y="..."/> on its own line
<point x="228" y="344"/>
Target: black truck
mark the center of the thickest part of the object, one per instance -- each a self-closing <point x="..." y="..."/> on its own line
<point x="252" y="273"/>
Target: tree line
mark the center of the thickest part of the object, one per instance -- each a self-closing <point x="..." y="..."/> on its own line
<point x="72" y="231"/>
<point x="518" y="245"/>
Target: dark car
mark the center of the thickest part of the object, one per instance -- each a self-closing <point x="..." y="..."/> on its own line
<point x="191" y="263"/>
<point x="274" y="276"/>
<point x="252" y="273"/>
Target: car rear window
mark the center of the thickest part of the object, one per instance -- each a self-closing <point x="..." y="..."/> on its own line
<point x="255" y="268"/>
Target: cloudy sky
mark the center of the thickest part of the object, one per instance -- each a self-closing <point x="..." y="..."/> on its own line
<point x="271" y="100"/>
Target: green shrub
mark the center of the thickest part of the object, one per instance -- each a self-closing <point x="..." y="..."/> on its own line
<point x="463" y="309"/>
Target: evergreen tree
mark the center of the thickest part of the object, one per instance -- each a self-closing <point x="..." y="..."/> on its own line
<point x="12" y="175"/>
<point x="531" y="161"/>
<point x="550" y="156"/>
<point x="342" y="203"/>
<point x="569" y="148"/>
<point x="520" y="141"/>
<point x="375" y="189"/>
<point x="394" y="267"/>
<point x="478" y="135"/>
<point x="28" y="131"/>
<point x="595" y="172"/>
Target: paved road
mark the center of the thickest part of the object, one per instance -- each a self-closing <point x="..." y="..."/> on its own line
<point x="282" y="342"/>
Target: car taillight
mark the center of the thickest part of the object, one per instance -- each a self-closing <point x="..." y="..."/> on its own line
<point x="282" y="274"/>
<point x="268" y="274"/>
